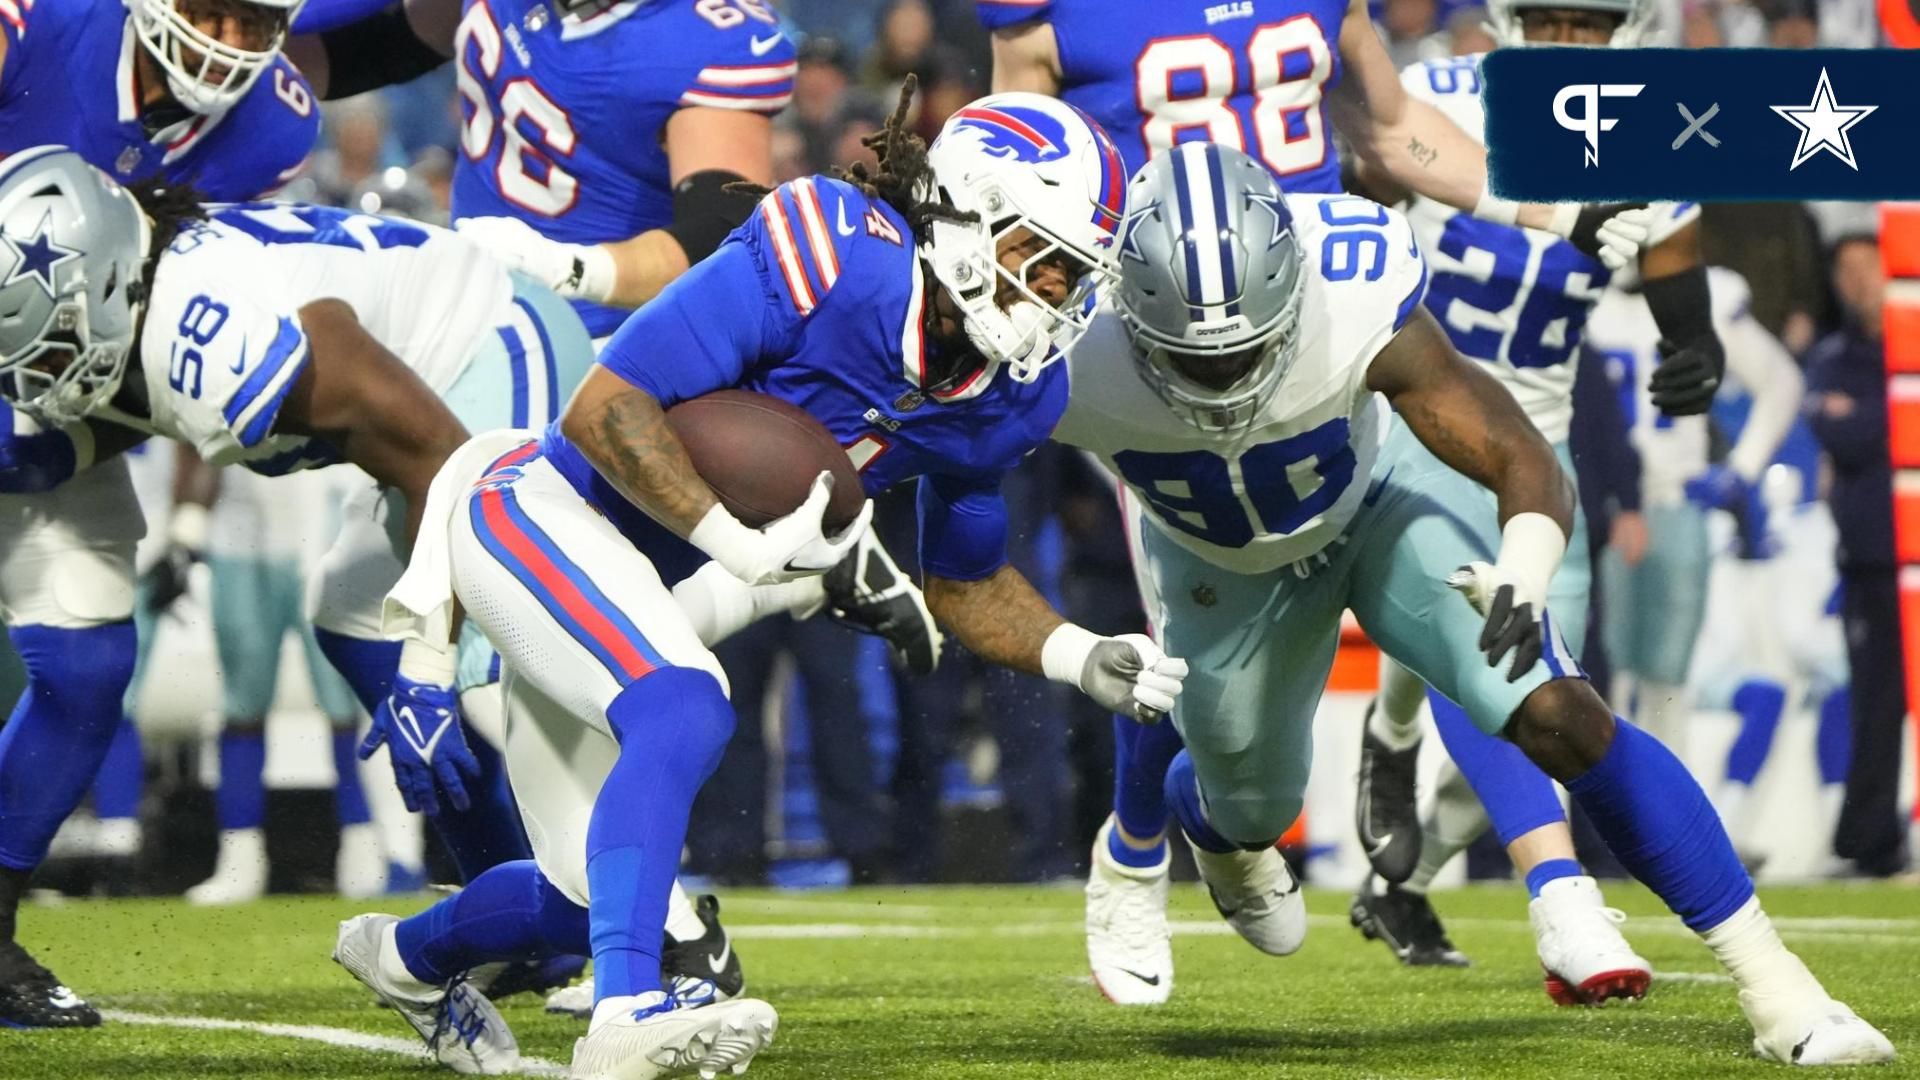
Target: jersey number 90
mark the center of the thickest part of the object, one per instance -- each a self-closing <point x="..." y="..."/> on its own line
<point x="527" y="173"/>
<point x="1183" y="84"/>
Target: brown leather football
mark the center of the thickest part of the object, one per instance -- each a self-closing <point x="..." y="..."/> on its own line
<point x="759" y="454"/>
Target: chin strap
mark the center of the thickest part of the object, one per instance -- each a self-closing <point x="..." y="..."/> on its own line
<point x="1017" y="338"/>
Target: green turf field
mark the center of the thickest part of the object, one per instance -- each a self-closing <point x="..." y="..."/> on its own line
<point x="936" y="983"/>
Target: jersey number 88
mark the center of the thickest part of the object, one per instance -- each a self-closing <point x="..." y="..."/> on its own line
<point x="1184" y="83"/>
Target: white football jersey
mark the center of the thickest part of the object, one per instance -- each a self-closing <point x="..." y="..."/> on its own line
<point x="1284" y="487"/>
<point x="1514" y="299"/>
<point x="1674" y="450"/>
<point x="222" y="343"/>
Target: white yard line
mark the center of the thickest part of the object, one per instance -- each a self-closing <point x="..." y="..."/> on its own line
<point x="331" y="1036"/>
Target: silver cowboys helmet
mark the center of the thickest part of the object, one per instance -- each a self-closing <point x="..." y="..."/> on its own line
<point x="1636" y="18"/>
<point x="205" y="73"/>
<point x="71" y="246"/>
<point x="1025" y="160"/>
<point x="1211" y="283"/>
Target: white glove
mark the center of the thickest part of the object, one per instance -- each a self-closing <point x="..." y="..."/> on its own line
<point x="582" y="271"/>
<point x="1616" y="240"/>
<point x="1127" y="674"/>
<point x="787" y="548"/>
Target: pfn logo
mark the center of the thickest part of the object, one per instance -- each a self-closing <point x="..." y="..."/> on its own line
<point x="1589" y="123"/>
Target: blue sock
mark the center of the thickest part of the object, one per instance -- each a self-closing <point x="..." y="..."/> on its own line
<point x="122" y="776"/>
<point x="1658" y="823"/>
<point x="1141" y="754"/>
<point x="1551" y="870"/>
<point x="241" y="802"/>
<point x="511" y="912"/>
<point x="489" y="831"/>
<point x="1139" y="858"/>
<point x="349" y="799"/>
<point x="1759" y="703"/>
<point x="52" y="746"/>
<point x="1519" y="798"/>
<point x="1833" y="746"/>
<point x="673" y="725"/>
<point x="1183" y="799"/>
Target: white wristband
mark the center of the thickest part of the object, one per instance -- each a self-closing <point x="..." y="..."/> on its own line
<point x="187" y="527"/>
<point x="724" y="538"/>
<point x="1531" y="546"/>
<point x="423" y="663"/>
<point x="594" y="273"/>
<point x="1495" y="209"/>
<point x="1064" y="656"/>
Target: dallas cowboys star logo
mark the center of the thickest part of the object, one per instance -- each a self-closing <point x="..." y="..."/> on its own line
<point x="38" y="256"/>
<point x="1279" y="211"/>
<point x="1823" y="125"/>
<point x="1130" y="243"/>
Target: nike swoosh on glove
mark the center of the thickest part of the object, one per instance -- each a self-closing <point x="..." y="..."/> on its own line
<point x="785" y="549"/>
<point x="1129" y="675"/>
<point x="1612" y="232"/>
<point x="1513" y="618"/>
<point x="420" y="724"/>
<point x="1687" y="378"/>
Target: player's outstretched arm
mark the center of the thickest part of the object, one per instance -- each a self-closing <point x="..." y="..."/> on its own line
<point x="1026" y="57"/>
<point x="1472" y="423"/>
<point x="1692" y="360"/>
<point x="361" y="399"/>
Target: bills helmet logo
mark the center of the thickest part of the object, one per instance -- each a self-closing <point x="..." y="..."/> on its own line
<point x="1112" y="199"/>
<point x="1015" y="132"/>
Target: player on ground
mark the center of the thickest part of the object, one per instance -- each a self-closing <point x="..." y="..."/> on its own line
<point x="1655" y="608"/>
<point x="180" y="88"/>
<point x="1268" y="77"/>
<point x="1240" y="386"/>
<point x="916" y="313"/>
<point x="1517" y="300"/>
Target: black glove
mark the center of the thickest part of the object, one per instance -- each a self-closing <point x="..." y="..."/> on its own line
<point x="166" y="580"/>
<point x="1687" y="378"/>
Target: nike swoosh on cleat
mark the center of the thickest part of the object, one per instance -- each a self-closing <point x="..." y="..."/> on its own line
<point x="718" y="962"/>
<point x="1154" y="981"/>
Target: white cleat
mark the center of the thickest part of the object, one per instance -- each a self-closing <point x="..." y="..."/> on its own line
<point x="1257" y="895"/>
<point x="1812" y="1032"/>
<point x="460" y="1026"/>
<point x="660" y="1036"/>
<point x="1586" y="960"/>
<point x="1129" y="945"/>
<point x="575" y="1001"/>
<point x="239" y="871"/>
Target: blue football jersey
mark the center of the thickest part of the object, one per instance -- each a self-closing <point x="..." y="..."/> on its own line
<point x="1252" y="74"/>
<point x="564" y="118"/>
<point x="69" y="79"/>
<point x="820" y="300"/>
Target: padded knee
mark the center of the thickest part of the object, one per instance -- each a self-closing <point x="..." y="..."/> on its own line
<point x="83" y="672"/>
<point x="681" y="712"/>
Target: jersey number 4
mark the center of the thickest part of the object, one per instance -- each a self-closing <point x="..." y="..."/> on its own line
<point x="1269" y="490"/>
<point x="1183" y="83"/>
<point x="527" y="173"/>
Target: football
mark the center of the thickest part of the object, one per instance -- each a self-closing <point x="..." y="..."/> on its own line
<point x="760" y="453"/>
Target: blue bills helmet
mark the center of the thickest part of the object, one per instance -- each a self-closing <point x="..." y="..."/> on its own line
<point x="1211" y="283"/>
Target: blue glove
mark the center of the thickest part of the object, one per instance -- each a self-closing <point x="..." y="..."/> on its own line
<point x="420" y="723"/>
<point x="32" y="461"/>
<point x="1721" y="488"/>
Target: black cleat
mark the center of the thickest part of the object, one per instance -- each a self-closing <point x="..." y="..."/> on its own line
<point x="30" y="996"/>
<point x="1386" y="810"/>
<point x="1406" y="923"/>
<point x="868" y="592"/>
<point x="709" y="956"/>
<point x="503" y="980"/>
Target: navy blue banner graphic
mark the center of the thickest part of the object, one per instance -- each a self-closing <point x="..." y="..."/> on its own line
<point x="1727" y="125"/>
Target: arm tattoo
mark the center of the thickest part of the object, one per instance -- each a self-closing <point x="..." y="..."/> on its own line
<point x="1002" y="618"/>
<point x="631" y="445"/>
<point x="1422" y="153"/>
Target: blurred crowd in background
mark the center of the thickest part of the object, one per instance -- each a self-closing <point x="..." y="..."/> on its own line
<point x="842" y="772"/>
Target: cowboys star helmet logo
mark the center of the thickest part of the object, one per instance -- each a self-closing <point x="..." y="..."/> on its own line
<point x="37" y="257"/>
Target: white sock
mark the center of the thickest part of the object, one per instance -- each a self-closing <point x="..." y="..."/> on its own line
<point x="720" y="605"/>
<point x="1750" y="949"/>
<point x="683" y="923"/>
<point x="1396" y="709"/>
<point x="1455" y="820"/>
<point x="1663" y="713"/>
<point x="1734" y="804"/>
<point x="393" y="971"/>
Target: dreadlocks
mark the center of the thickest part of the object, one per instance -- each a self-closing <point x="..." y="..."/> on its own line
<point x="903" y="178"/>
<point x="171" y="208"/>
